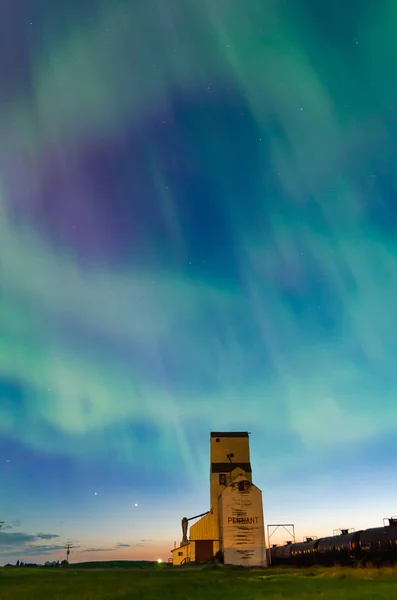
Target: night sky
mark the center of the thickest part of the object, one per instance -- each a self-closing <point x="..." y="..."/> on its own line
<point x="197" y="231"/>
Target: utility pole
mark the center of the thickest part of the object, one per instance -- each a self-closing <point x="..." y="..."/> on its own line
<point x="68" y="547"/>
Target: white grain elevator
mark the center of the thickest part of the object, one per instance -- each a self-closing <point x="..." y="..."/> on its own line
<point x="233" y="528"/>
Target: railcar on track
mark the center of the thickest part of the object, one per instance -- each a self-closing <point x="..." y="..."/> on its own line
<point x="376" y="546"/>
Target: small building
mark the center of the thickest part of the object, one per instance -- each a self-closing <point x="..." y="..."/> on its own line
<point x="233" y="528"/>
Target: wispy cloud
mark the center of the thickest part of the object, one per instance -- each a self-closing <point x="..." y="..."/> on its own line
<point x="12" y="525"/>
<point x="117" y="546"/>
<point x="21" y="539"/>
<point x="47" y="536"/>
<point x="22" y="544"/>
<point x="98" y="549"/>
<point x="32" y="550"/>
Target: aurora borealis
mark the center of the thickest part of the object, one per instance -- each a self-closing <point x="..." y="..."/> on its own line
<point x="197" y="231"/>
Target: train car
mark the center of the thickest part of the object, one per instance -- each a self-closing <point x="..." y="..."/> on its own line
<point x="378" y="545"/>
<point x="281" y="555"/>
<point x="338" y="550"/>
<point x="325" y="550"/>
<point x="304" y="553"/>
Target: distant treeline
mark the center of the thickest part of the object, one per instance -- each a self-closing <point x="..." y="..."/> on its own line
<point x="112" y="564"/>
<point x="55" y="563"/>
<point x="118" y="564"/>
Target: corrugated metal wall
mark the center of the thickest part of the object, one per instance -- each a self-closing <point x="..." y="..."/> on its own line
<point x="207" y="528"/>
<point x="241" y="524"/>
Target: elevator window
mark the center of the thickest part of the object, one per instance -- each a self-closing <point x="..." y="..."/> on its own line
<point x="243" y="486"/>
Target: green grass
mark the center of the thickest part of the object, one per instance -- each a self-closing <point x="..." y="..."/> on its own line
<point x="220" y="583"/>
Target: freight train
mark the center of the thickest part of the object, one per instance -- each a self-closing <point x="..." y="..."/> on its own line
<point x="376" y="546"/>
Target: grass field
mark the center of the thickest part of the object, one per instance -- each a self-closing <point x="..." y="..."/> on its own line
<point x="188" y="583"/>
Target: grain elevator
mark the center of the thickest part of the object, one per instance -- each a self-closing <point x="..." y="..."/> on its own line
<point x="233" y="528"/>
